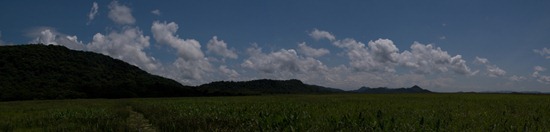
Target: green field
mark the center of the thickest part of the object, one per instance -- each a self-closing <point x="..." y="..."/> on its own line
<point x="331" y="112"/>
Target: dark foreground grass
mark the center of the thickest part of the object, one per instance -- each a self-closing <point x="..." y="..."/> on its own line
<point x="63" y="115"/>
<point x="341" y="112"/>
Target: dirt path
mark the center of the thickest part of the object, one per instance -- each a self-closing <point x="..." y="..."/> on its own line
<point x="137" y="122"/>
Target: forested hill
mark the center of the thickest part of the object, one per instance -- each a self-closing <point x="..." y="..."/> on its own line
<point x="39" y="71"/>
<point x="413" y="89"/>
<point x="263" y="86"/>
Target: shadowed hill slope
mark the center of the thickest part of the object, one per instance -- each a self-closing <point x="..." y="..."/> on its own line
<point x="55" y="72"/>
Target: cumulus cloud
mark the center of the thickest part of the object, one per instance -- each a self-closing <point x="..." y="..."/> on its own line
<point x="228" y="72"/>
<point x="93" y="13"/>
<point x="319" y="34"/>
<point x="361" y="59"/>
<point x="156" y="12"/>
<point x="312" y="52"/>
<point x="121" y="14"/>
<point x="383" y="56"/>
<point x="219" y="47"/>
<point x="128" y="45"/>
<point x="428" y="59"/>
<point x="540" y="78"/>
<point x="46" y="35"/>
<point x="383" y="50"/>
<point x="282" y="61"/>
<point x="190" y="71"/>
<point x="545" y="52"/>
<point x="191" y="64"/>
<point x="189" y="49"/>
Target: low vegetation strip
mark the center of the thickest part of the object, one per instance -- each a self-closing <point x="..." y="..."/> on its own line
<point x="327" y="112"/>
<point x="136" y="122"/>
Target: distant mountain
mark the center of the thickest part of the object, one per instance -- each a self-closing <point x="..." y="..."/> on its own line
<point x="39" y="71"/>
<point x="414" y="89"/>
<point x="513" y="92"/>
<point x="263" y="86"/>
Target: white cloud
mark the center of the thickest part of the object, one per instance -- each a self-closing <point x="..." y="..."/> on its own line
<point x="492" y="70"/>
<point x="189" y="49"/>
<point x="383" y="56"/>
<point x="481" y="60"/>
<point x="127" y="45"/>
<point x="219" y="47"/>
<point x="46" y="35"/>
<point x="190" y="71"/>
<point x="228" y="72"/>
<point x="282" y="61"/>
<point x="121" y="14"/>
<point x="428" y="59"/>
<point x="539" y="69"/>
<point x="383" y="50"/>
<point x="156" y="12"/>
<point x="93" y="13"/>
<point x="544" y="79"/>
<point x="517" y="78"/>
<point x="191" y="64"/>
<point x="312" y="52"/>
<point x="363" y="59"/>
<point x="540" y="78"/>
<point x="319" y="34"/>
<point x="545" y="52"/>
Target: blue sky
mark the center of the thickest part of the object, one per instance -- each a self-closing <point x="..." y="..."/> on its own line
<point x="439" y="45"/>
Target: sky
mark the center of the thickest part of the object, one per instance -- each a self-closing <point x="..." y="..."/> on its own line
<point x="440" y="45"/>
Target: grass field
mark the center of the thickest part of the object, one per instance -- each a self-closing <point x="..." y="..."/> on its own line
<point x="331" y="112"/>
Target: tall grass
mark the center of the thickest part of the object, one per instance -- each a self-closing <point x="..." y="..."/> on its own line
<point x="351" y="112"/>
<point x="64" y="115"/>
<point x="342" y="112"/>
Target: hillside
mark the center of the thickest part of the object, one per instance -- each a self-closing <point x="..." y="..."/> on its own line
<point x="413" y="89"/>
<point x="55" y="72"/>
<point x="263" y="86"/>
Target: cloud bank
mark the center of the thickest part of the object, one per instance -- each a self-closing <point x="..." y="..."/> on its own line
<point x="371" y="63"/>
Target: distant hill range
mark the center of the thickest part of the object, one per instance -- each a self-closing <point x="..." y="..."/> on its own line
<point x="263" y="86"/>
<point x="413" y="89"/>
<point x="38" y="71"/>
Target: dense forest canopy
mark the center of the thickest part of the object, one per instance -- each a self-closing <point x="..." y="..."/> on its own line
<point x="38" y="71"/>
